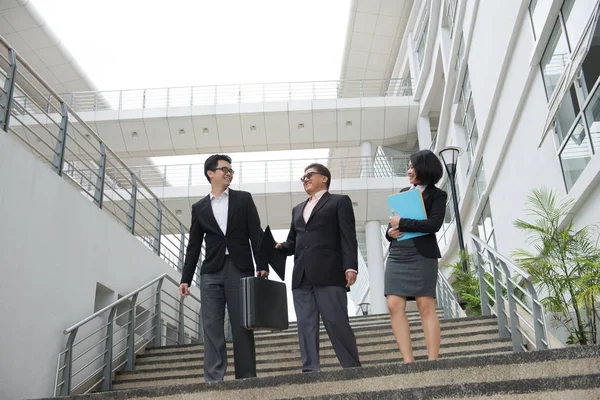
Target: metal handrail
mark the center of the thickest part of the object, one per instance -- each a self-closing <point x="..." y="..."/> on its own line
<point x="116" y="347"/>
<point x="213" y="95"/>
<point x="447" y="298"/>
<point x="524" y="323"/>
<point x="79" y="155"/>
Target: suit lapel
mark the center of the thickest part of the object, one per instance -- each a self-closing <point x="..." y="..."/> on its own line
<point x="207" y="212"/>
<point x="231" y="209"/>
<point x="300" y="214"/>
<point x="324" y="199"/>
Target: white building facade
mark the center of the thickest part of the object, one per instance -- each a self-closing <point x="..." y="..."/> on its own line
<point x="514" y="84"/>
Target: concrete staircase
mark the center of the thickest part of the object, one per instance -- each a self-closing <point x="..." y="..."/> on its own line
<point x="474" y="363"/>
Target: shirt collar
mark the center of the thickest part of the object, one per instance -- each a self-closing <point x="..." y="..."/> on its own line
<point x="318" y="195"/>
<point x="226" y="192"/>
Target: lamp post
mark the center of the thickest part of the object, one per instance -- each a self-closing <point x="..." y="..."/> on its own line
<point x="449" y="156"/>
<point x="364" y="307"/>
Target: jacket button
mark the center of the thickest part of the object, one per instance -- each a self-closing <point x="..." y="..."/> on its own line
<point x="306" y="247"/>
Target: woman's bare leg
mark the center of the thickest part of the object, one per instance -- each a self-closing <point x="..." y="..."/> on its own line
<point x="400" y="326"/>
<point x="431" y="326"/>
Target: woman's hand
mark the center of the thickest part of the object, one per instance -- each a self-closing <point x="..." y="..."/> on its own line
<point x="394" y="220"/>
<point x="394" y="233"/>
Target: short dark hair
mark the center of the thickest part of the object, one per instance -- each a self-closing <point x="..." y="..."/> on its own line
<point x="211" y="163"/>
<point x="428" y="167"/>
<point x="321" y="169"/>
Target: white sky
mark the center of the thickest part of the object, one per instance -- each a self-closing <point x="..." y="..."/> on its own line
<point x="127" y="44"/>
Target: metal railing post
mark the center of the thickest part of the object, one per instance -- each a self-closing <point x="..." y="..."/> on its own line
<point x="517" y="339"/>
<point x="181" y="246"/>
<point x="168" y="96"/>
<point x="361" y="89"/>
<point x="130" y="355"/>
<point x="95" y="101"/>
<point x="65" y="388"/>
<point x="483" y="294"/>
<point x="121" y="100"/>
<point x="132" y="205"/>
<point x="158" y="227"/>
<point x="541" y="341"/>
<point x="108" y="351"/>
<point x="157" y="315"/>
<point x="181" y="323"/>
<point x="6" y="99"/>
<point x="499" y="301"/>
<point x="99" y="192"/>
<point x="144" y="100"/>
<point x="59" y="152"/>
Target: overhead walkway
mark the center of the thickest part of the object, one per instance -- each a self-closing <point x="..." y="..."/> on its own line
<point x="238" y="118"/>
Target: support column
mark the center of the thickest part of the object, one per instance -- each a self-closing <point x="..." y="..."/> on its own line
<point x="424" y="133"/>
<point x="375" y="265"/>
<point x="366" y="152"/>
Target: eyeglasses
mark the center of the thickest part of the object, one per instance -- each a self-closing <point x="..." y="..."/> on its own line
<point x="225" y="170"/>
<point x="308" y="175"/>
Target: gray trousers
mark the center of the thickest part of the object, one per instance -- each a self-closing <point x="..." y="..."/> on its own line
<point x="217" y="290"/>
<point x="332" y="304"/>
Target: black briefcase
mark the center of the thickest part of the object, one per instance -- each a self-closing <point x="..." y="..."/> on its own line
<point x="263" y="304"/>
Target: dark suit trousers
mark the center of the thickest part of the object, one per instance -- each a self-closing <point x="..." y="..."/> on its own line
<point x="217" y="290"/>
<point x="332" y="304"/>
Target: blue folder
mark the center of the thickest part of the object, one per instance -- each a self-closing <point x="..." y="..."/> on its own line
<point x="408" y="204"/>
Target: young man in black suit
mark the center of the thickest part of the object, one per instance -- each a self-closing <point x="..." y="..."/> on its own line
<point x="228" y="220"/>
<point x="322" y="239"/>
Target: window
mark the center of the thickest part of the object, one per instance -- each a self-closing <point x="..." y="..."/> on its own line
<point x="566" y="35"/>
<point x="485" y="226"/>
<point x="538" y="10"/>
<point x="421" y="43"/>
<point x="480" y="183"/>
<point x="469" y="122"/>
<point x="461" y="53"/>
<point x="577" y="121"/>
<point x="451" y="14"/>
<point x="554" y="59"/>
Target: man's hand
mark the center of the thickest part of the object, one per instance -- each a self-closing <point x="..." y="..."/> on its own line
<point x="350" y="278"/>
<point x="184" y="289"/>
<point x="394" y="220"/>
<point x="394" y="233"/>
<point x="262" y="274"/>
<point x="278" y="245"/>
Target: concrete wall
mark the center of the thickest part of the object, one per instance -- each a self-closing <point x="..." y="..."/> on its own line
<point x="55" y="247"/>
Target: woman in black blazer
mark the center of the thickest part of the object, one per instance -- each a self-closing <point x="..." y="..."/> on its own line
<point x="412" y="264"/>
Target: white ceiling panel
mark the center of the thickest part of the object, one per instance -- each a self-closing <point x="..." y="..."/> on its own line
<point x="37" y="38"/>
<point x="354" y="74"/>
<point x="392" y="8"/>
<point x="386" y="25"/>
<point x="17" y="42"/>
<point x="230" y="133"/>
<point x="361" y="41"/>
<point x="382" y="45"/>
<point x="348" y="126"/>
<point x="368" y="6"/>
<point x="301" y="127"/>
<point x="254" y="130"/>
<point x="33" y="60"/>
<point x="5" y="27"/>
<point x="65" y="73"/>
<point x="157" y="131"/>
<point x="206" y="139"/>
<point x="185" y="139"/>
<point x="325" y="127"/>
<point x="358" y="59"/>
<point x="365" y="22"/>
<point x="110" y="132"/>
<point x="277" y="128"/>
<point x="377" y="62"/>
<point x="20" y="18"/>
<point x="372" y="123"/>
<point x="52" y="57"/>
<point x="139" y="144"/>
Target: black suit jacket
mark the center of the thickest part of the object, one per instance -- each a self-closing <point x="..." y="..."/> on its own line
<point x="325" y="246"/>
<point x="243" y="227"/>
<point x="435" y="205"/>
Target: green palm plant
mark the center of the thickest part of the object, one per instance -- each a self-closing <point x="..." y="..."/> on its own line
<point x="564" y="262"/>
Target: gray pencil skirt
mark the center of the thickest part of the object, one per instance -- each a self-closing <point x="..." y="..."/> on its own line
<point x="408" y="273"/>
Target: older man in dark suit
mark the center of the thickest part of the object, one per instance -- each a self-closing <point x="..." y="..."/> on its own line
<point x="228" y="220"/>
<point x="322" y="239"/>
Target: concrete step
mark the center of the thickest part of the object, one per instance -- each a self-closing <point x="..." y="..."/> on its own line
<point x="285" y="339"/>
<point x="187" y="375"/>
<point x="293" y="362"/>
<point x="276" y="354"/>
<point x="572" y="372"/>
